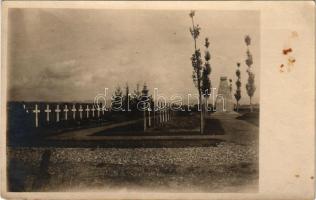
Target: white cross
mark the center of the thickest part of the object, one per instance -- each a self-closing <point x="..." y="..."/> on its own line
<point x="149" y="122"/>
<point x="166" y="119"/>
<point x="87" y="110"/>
<point x="80" y="111"/>
<point x="160" y="112"/>
<point x="36" y="111"/>
<point x="66" y="111"/>
<point x="47" y="112"/>
<point x="92" y="109"/>
<point x="103" y="109"/>
<point x="57" y="110"/>
<point x="24" y="106"/>
<point x="98" y="109"/>
<point x="73" y="111"/>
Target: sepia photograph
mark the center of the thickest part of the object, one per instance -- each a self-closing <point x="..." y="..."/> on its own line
<point x="144" y="100"/>
<point x="157" y="100"/>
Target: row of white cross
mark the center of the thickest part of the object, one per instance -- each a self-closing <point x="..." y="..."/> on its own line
<point x="163" y="115"/>
<point x="66" y="110"/>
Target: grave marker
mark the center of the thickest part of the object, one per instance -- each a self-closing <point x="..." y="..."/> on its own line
<point x="92" y="109"/>
<point x="98" y="109"/>
<point x="36" y="111"/>
<point x="47" y="112"/>
<point x="80" y="111"/>
<point x="57" y="110"/>
<point x="149" y="119"/>
<point x="74" y="111"/>
<point x="66" y="112"/>
<point x="87" y="110"/>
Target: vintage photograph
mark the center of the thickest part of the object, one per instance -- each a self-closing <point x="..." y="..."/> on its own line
<point x="133" y="100"/>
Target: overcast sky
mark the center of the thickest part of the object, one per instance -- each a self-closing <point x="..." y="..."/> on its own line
<point x="72" y="54"/>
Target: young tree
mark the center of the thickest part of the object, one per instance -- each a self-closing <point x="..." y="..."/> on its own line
<point x="206" y="83"/>
<point x="238" y="86"/>
<point x="199" y="72"/>
<point x="250" y="86"/>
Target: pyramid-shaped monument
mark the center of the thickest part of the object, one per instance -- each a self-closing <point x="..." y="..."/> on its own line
<point x="224" y="99"/>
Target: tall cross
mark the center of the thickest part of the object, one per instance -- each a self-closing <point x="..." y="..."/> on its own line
<point x="66" y="112"/>
<point x="167" y="112"/>
<point x="47" y="112"/>
<point x="154" y="117"/>
<point x="103" y="109"/>
<point x="36" y="111"/>
<point x="92" y="109"/>
<point x="145" y="121"/>
<point x="74" y="111"/>
<point x="80" y="111"/>
<point x="149" y="119"/>
<point x="57" y="110"/>
<point x="98" y="109"/>
<point x="163" y="111"/>
<point x="166" y="108"/>
<point x="87" y="110"/>
<point x="160" y="112"/>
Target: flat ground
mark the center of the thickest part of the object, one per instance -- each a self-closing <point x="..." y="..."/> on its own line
<point x="229" y="165"/>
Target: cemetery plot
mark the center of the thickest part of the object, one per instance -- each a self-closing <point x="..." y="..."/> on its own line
<point x="161" y="124"/>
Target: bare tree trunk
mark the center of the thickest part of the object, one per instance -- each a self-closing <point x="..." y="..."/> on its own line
<point x="201" y="116"/>
<point x="251" y="109"/>
<point x="199" y="87"/>
<point x="237" y="106"/>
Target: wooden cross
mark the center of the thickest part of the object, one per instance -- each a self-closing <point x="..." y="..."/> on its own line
<point x="66" y="112"/>
<point x="80" y="111"/>
<point x="154" y="117"/>
<point x="163" y="112"/>
<point x="167" y="111"/>
<point x="145" y="121"/>
<point x="149" y="119"/>
<point x="92" y="109"/>
<point x="73" y="111"/>
<point x="57" y="110"/>
<point x="98" y="109"/>
<point x="166" y="119"/>
<point x="36" y="111"/>
<point x="87" y="110"/>
<point x="47" y="112"/>
<point x="160" y="112"/>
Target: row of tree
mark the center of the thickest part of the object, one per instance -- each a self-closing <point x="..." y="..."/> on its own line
<point x="133" y="102"/>
<point x="250" y="86"/>
<point x="201" y="72"/>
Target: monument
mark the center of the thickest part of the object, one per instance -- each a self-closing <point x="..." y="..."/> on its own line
<point x="224" y="99"/>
